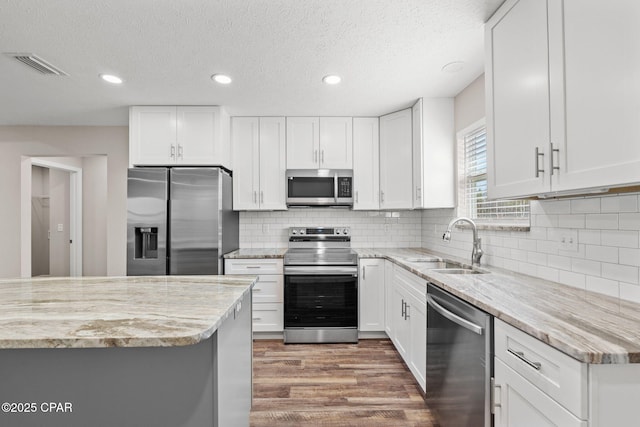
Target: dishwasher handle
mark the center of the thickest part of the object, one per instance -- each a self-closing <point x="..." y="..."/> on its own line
<point x="454" y="317"/>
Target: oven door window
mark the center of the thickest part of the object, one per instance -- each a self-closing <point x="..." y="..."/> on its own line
<point x="311" y="188"/>
<point x="320" y="301"/>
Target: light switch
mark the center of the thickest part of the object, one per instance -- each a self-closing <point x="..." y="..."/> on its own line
<point x="60" y="227"/>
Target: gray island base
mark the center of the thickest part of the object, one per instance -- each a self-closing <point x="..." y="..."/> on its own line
<point x="207" y="383"/>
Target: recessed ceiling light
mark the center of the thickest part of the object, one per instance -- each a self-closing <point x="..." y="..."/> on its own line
<point x="332" y="79"/>
<point x="111" y="79"/>
<point x="453" y="67"/>
<point x="221" y="78"/>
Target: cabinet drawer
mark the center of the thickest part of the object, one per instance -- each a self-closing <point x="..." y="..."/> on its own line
<point x="269" y="288"/>
<point x="518" y="403"/>
<point x="412" y="283"/>
<point x="563" y="378"/>
<point x="253" y="266"/>
<point x="268" y="317"/>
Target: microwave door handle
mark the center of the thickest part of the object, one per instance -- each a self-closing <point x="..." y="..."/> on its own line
<point x="335" y="187"/>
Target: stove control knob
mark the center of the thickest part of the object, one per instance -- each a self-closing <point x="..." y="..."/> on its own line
<point x="301" y="231"/>
<point x="337" y="231"/>
<point x="294" y="231"/>
<point x="345" y="231"/>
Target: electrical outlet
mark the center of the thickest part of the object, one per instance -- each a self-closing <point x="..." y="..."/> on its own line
<point x="568" y="240"/>
<point x="60" y="227"/>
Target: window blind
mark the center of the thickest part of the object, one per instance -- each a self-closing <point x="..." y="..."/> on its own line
<point x="474" y="184"/>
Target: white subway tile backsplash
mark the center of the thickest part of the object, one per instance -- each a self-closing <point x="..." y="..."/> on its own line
<point x="590" y="237"/>
<point x="619" y="204"/>
<point x="629" y="256"/>
<point x="537" y="258"/>
<point x="630" y="221"/>
<point x="602" y="221"/>
<point x="570" y="278"/>
<point x="621" y="239"/>
<point x="571" y="221"/>
<point x="559" y="262"/>
<point x="630" y="292"/>
<point x="587" y="267"/>
<point x="622" y="273"/>
<point x="555" y="206"/>
<point x="587" y="205"/>
<point x="602" y="253"/>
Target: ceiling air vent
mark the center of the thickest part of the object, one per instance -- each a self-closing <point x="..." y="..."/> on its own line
<point x="38" y="64"/>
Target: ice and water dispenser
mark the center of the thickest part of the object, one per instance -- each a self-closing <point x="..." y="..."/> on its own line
<point x="146" y="242"/>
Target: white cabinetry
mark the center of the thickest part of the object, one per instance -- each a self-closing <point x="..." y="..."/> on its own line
<point x="409" y="321"/>
<point x="170" y="135"/>
<point x="259" y="157"/>
<point x="433" y="153"/>
<point x="319" y="143"/>
<point x="560" y="117"/>
<point x="371" y="292"/>
<point x="396" y="171"/>
<point x="535" y="383"/>
<point x="268" y="292"/>
<point x="366" y="163"/>
<point x="388" y="298"/>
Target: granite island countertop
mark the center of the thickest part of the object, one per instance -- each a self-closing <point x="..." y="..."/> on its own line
<point x="146" y="311"/>
<point x="587" y="326"/>
<point x="257" y="253"/>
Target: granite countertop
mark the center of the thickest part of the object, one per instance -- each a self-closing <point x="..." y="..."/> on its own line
<point x="587" y="326"/>
<point x="148" y="311"/>
<point x="257" y="253"/>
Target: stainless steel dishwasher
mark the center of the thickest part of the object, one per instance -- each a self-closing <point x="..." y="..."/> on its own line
<point x="459" y="360"/>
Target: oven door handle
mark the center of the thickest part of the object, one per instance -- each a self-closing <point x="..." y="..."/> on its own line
<point x="321" y="271"/>
<point x="454" y="317"/>
<point x="335" y="185"/>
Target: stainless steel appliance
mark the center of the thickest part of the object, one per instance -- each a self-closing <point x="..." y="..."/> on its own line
<point x="320" y="286"/>
<point x="459" y="360"/>
<point x="180" y="220"/>
<point x="320" y="187"/>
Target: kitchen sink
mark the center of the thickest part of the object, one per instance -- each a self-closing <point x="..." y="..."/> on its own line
<point x="458" y="271"/>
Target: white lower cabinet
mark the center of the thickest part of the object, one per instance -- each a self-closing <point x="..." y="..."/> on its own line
<point x="371" y="293"/>
<point x="388" y="296"/>
<point x="268" y="292"/>
<point x="409" y="321"/>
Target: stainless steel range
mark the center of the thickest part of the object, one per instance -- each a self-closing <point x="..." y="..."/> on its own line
<point x="320" y="286"/>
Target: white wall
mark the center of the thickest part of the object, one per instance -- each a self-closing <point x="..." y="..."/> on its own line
<point x="368" y="228"/>
<point x="19" y="142"/>
<point x="94" y="216"/>
<point x="59" y="214"/>
<point x="607" y="258"/>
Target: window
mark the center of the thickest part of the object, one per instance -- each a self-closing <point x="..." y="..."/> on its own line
<point x="472" y="191"/>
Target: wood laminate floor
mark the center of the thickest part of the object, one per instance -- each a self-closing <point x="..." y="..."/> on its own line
<point x="364" y="384"/>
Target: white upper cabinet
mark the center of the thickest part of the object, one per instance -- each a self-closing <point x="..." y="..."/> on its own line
<point x="396" y="171"/>
<point x="319" y="143"/>
<point x="517" y="84"/>
<point x="601" y="93"/>
<point x="336" y="143"/>
<point x="259" y="157"/>
<point x="434" y="148"/>
<point x="169" y="135"/>
<point x="366" y="167"/>
<point x="563" y="86"/>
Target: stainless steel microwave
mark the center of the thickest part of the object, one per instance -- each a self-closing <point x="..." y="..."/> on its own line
<point x="320" y="187"/>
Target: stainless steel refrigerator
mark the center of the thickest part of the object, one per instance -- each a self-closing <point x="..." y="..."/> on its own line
<point x="180" y="220"/>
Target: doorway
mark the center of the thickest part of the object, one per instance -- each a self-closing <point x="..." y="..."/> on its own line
<point x="56" y="218"/>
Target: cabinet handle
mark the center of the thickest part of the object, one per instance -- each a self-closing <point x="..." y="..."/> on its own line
<point x="553" y="167"/>
<point x="255" y="197"/>
<point x="364" y="272"/>
<point x="417" y="193"/>
<point x="356" y="196"/>
<point x="180" y="152"/>
<point x="322" y="156"/>
<point x="381" y="196"/>
<point x="407" y="311"/>
<point x="538" y="155"/>
<point x="253" y="266"/>
<point x="261" y="196"/>
<point x="257" y="318"/>
<point x="315" y="156"/>
<point x="403" y="308"/>
<point x="172" y="152"/>
<point x="520" y="355"/>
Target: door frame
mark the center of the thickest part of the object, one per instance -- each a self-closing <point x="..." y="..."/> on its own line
<point x="75" y="216"/>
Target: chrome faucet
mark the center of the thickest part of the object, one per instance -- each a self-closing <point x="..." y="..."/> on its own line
<point x="476" y="253"/>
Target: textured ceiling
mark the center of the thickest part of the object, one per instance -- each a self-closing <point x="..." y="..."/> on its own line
<point x="388" y="52"/>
